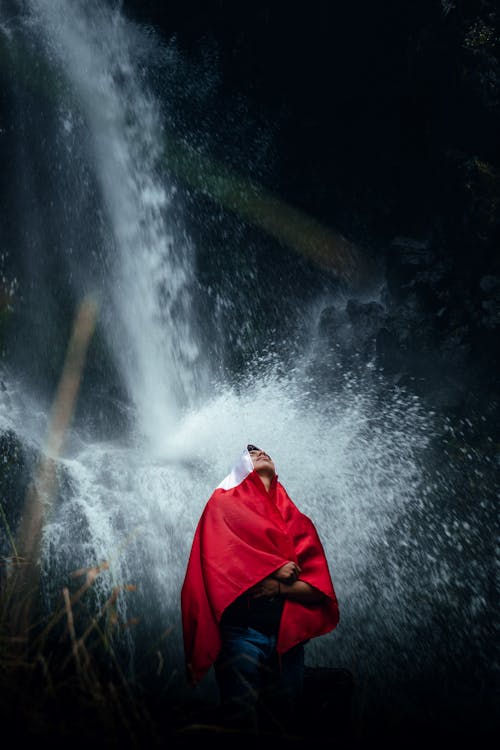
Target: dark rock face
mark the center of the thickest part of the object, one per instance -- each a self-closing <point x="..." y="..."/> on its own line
<point x="441" y="325"/>
<point x="15" y="475"/>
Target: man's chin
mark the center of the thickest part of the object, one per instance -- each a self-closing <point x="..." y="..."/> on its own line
<point x="265" y="471"/>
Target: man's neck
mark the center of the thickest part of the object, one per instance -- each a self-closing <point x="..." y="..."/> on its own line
<point x="266" y="479"/>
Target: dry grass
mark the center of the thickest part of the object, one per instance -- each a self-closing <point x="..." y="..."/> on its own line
<point x="60" y="678"/>
<point x="62" y="681"/>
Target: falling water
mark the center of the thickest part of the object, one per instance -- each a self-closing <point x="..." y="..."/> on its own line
<point x="354" y="452"/>
<point x="149" y="261"/>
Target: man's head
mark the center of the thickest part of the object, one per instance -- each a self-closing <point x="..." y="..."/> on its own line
<point x="262" y="462"/>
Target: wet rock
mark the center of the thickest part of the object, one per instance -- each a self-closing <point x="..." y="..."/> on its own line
<point x="15" y="474"/>
<point x="388" y="350"/>
<point x="334" y="324"/>
<point x="365" y="317"/>
<point x="351" y="331"/>
<point x="413" y="251"/>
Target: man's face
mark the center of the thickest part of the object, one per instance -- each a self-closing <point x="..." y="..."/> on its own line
<point x="262" y="462"/>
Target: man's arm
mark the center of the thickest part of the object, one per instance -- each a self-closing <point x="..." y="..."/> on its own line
<point x="303" y="592"/>
<point x="298" y="591"/>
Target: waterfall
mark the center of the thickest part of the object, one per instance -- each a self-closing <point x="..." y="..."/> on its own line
<point x="149" y="259"/>
<point x="351" y="449"/>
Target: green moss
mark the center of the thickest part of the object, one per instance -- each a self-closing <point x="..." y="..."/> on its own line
<point x="480" y="36"/>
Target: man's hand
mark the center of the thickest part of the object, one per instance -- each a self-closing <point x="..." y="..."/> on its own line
<point x="270" y="586"/>
<point x="265" y="589"/>
<point x="288" y="573"/>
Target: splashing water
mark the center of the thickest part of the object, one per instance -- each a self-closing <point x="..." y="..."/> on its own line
<point x="140" y="511"/>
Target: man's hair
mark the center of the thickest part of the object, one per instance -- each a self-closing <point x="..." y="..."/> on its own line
<point x="252" y="448"/>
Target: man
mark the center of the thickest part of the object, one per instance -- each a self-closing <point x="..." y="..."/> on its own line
<point x="257" y="588"/>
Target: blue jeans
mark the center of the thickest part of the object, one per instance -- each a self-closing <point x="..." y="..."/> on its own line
<point x="256" y="684"/>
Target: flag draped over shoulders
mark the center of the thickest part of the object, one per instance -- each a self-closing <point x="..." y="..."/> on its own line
<point x="244" y="535"/>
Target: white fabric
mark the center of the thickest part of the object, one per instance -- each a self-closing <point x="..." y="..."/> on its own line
<point x="242" y="468"/>
<point x="239" y="472"/>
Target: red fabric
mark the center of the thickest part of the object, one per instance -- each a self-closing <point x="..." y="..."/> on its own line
<point x="245" y="534"/>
